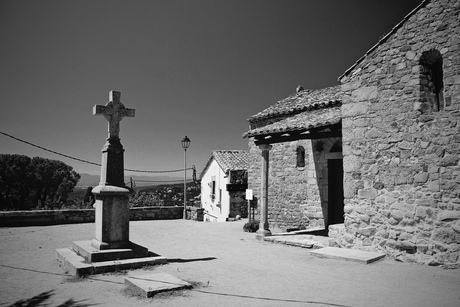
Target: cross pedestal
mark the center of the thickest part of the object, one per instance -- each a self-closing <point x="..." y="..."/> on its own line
<point x="112" y="211"/>
<point x="112" y="166"/>
<point x="111" y="240"/>
<point x="112" y="217"/>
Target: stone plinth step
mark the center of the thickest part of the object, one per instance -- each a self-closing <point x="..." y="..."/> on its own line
<point x="151" y="284"/>
<point x="290" y="241"/>
<point x="77" y="265"/>
<point x="305" y="241"/>
<point x="347" y="254"/>
<point x="92" y="254"/>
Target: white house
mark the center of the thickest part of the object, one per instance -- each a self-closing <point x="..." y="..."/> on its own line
<point x="223" y="185"/>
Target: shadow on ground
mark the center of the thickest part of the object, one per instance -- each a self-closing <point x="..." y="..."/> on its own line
<point x="42" y="298"/>
<point x="321" y="233"/>
<point x="180" y="260"/>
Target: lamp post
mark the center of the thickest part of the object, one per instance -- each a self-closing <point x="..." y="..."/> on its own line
<point x="185" y="144"/>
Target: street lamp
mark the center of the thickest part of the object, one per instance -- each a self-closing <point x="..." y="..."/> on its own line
<point x="185" y="144"/>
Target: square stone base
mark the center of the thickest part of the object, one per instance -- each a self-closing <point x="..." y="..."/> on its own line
<point x="151" y="284"/>
<point x="83" y="259"/>
<point x="93" y="254"/>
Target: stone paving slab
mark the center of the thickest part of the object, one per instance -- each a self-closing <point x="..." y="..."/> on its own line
<point x="79" y="266"/>
<point x="151" y="284"/>
<point x="347" y="254"/>
<point x="305" y="241"/>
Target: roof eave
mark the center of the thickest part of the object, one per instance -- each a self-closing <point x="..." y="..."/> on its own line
<point x="383" y="39"/>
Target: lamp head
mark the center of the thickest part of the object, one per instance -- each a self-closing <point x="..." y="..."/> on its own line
<point x="185" y="142"/>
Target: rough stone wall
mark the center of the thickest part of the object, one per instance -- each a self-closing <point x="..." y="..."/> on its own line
<point x="297" y="196"/>
<point x="56" y="217"/>
<point x="401" y="160"/>
<point x="156" y="213"/>
<point x="320" y="177"/>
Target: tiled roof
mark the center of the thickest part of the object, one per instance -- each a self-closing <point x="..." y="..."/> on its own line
<point x="301" y="122"/>
<point x="302" y="101"/>
<point x="232" y="160"/>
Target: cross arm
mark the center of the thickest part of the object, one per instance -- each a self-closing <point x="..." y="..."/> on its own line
<point x="129" y="112"/>
<point x="99" y="110"/>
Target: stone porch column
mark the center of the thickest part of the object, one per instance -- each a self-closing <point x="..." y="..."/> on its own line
<point x="263" y="227"/>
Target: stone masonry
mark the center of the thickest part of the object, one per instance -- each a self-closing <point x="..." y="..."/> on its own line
<point x="297" y="195"/>
<point x="400" y="145"/>
<point x="401" y="154"/>
<point x="71" y="216"/>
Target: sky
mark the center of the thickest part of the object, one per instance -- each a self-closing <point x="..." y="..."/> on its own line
<point x="199" y="68"/>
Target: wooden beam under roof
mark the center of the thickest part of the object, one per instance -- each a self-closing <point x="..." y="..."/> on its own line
<point x="305" y="134"/>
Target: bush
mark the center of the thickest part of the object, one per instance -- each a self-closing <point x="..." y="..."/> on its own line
<point x="34" y="183"/>
<point x="251" y="226"/>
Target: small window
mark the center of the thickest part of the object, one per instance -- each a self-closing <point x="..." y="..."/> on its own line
<point x="431" y="80"/>
<point x="300" y="156"/>
<point x="212" y="186"/>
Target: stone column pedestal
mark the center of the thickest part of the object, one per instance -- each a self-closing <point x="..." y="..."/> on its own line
<point x="263" y="226"/>
<point x="112" y="166"/>
<point x="112" y="217"/>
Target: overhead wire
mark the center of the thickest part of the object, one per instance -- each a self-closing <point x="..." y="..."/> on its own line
<point x="188" y="180"/>
<point x="89" y="162"/>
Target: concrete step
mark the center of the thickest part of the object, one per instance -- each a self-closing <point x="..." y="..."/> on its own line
<point x="299" y="240"/>
<point x="92" y="254"/>
<point x="347" y="254"/>
<point x="77" y="265"/>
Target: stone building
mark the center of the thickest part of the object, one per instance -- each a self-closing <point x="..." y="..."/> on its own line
<point x="223" y="184"/>
<point x="375" y="160"/>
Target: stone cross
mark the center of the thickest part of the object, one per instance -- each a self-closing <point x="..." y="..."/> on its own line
<point x="114" y="111"/>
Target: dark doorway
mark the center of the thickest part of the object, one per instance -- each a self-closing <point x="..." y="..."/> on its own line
<point x="335" y="194"/>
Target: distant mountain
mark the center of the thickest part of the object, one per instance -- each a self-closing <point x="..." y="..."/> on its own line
<point x="87" y="180"/>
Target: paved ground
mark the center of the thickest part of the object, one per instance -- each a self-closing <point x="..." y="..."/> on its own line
<point x="227" y="266"/>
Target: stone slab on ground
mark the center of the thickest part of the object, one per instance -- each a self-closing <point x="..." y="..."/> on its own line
<point x="305" y="241"/>
<point x="300" y="232"/>
<point x="77" y="265"/>
<point x="151" y="284"/>
<point x="92" y="254"/>
<point x="348" y="254"/>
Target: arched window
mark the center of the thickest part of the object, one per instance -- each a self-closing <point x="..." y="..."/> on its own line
<point x="431" y="80"/>
<point x="300" y="156"/>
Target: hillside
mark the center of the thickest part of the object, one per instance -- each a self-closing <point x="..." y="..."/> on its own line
<point x="87" y="180"/>
<point x="152" y="195"/>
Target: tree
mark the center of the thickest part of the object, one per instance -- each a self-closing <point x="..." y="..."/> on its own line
<point x="34" y="183"/>
<point x="14" y="183"/>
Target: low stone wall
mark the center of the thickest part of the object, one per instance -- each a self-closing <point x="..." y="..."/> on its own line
<point x="69" y="216"/>
<point x="156" y="213"/>
<point x="194" y="213"/>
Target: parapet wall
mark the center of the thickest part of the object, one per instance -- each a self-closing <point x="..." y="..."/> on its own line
<point x="56" y="217"/>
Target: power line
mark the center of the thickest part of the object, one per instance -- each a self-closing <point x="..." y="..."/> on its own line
<point x="52" y="151"/>
<point x="89" y="162"/>
<point x="169" y="171"/>
<point x="188" y="180"/>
